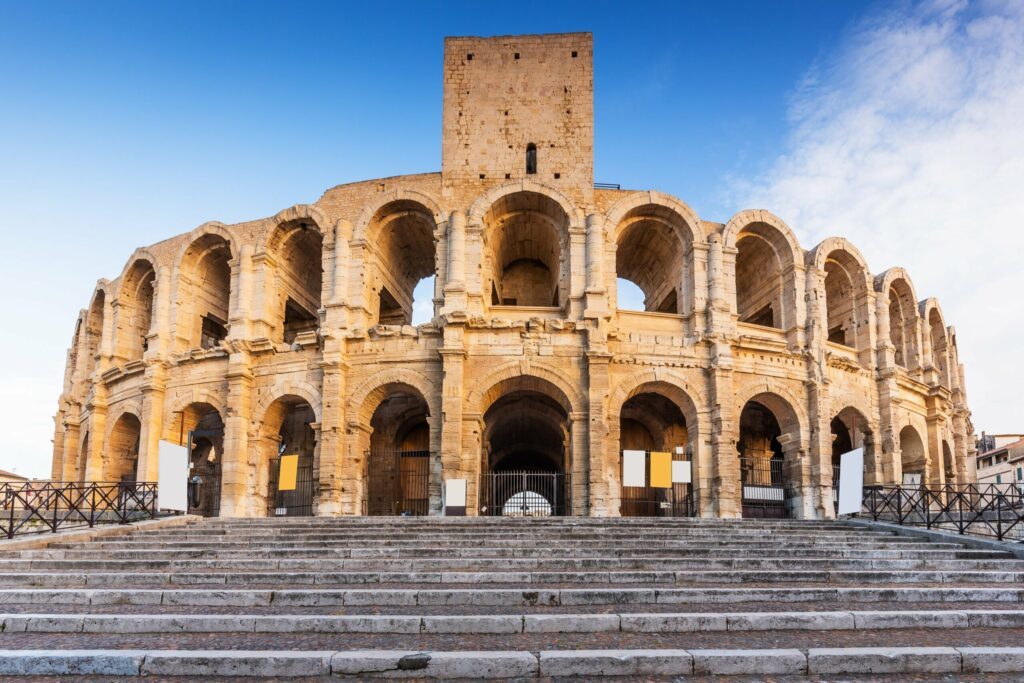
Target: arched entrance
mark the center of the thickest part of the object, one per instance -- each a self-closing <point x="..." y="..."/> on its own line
<point x="849" y="430"/>
<point x="287" y="431"/>
<point x="121" y="459"/>
<point x="398" y="461"/>
<point x="200" y="427"/>
<point x="525" y="455"/>
<point x="652" y="423"/>
<point x="769" y="464"/>
<point x="912" y="456"/>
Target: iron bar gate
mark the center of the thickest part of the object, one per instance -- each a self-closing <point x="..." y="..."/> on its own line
<point x="297" y="503"/>
<point x="397" y="483"/>
<point x="525" y="494"/>
<point x="764" y="490"/>
<point x="648" y="501"/>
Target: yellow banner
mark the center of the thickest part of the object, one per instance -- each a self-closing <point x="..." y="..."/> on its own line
<point x="289" y="471"/>
<point x="661" y="470"/>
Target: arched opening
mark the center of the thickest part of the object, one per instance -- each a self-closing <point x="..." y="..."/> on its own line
<point x="403" y="236"/>
<point x="398" y="461"/>
<point x="531" y="159"/>
<point x="526" y="448"/>
<point x="769" y="466"/>
<point x="651" y="423"/>
<point x="937" y="336"/>
<point x="299" y="250"/>
<point x="912" y="455"/>
<point x="650" y="253"/>
<point x="135" y="310"/>
<point x="200" y="428"/>
<point x="204" y="293"/>
<point x="83" y="459"/>
<point x="525" y="263"/>
<point x="287" y="431"/>
<point x="850" y="430"/>
<point x="948" y="464"/>
<point x="845" y="300"/>
<point x="90" y="350"/>
<point x="902" y="323"/>
<point x="762" y="254"/>
<point x="121" y="457"/>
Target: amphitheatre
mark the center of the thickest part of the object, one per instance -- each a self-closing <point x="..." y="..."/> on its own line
<point x="755" y="359"/>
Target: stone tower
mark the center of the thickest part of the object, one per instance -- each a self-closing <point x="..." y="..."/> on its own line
<point x="518" y="107"/>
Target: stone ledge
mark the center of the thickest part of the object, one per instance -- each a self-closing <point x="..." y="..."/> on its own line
<point x="43" y="540"/>
<point x="941" y="536"/>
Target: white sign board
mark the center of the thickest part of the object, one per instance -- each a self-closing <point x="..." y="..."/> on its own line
<point x="634" y="468"/>
<point x="455" y="493"/>
<point x="172" y="477"/>
<point x="851" y="482"/>
<point x="912" y="479"/>
<point x="681" y="473"/>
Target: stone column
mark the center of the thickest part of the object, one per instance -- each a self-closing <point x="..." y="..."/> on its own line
<point x="600" y="448"/>
<point x="455" y="287"/>
<point x="97" y="439"/>
<point x="241" y="293"/>
<point x="453" y="359"/>
<point x="596" y="303"/>
<point x="238" y="415"/>
<point x="577" y="270"/>
<point x="580" y="463"/>
<point x="69" y="452"/>
<point x="153" y="393"/>
<point x="331" y="442"/>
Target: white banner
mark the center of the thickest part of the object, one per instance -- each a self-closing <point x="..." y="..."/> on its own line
<point x="172" y="477"/>
<point x="634" y="468"/>
<point x="455" y="493"/>
<point x="851" y="481"/>
<point x="681" y="473"/>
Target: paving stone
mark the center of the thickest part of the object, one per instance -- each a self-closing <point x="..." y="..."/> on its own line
<point x="236" y="663"/>
<point x="570" y="623"/>
<point x="882" y="660"/>
<point x="992" y="659"/>
<point x="443" y="665"/>
<point x="473" y="624"/>
<point x="915" y="619"/>
<point x="804" y="621"/>
<point x="672" y="623"/>
<point x="582" y="663"/>
<point x="69" y="662"/>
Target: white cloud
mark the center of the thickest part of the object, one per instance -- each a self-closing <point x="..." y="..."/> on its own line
<point x="909" y="141"/>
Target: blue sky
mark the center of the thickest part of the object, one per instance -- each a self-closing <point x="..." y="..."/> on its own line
<point x="125" y="123"/>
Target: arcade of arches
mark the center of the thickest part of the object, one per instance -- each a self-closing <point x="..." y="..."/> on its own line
<point x="291" y="339"/>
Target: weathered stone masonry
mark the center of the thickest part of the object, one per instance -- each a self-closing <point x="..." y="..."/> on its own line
<point x="295" y="329"/>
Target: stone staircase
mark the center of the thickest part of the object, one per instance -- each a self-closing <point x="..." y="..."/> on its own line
<point x="450" y="598"/>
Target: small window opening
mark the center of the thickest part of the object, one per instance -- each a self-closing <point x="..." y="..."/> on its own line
<point x="482" y="176"/>
<point x="213" y="333"/>
<point x="297" y="320"/>
<point x="390" y="312"/>
<point x="574" y="54"/>
<point x="557" y="176"/>
<point x="508" y="176"/>
<point x="764" y="317"/>
<point x="531" y="159"/>
<point x="837" y="335"/>
<point x="469" y="57"/>
<point x="516" y="55"/>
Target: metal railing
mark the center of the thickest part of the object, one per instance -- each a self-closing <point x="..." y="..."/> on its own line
<point x="763" y="488"/>
<point x="525" y="494"/>
<point x="649" y="501"/>
<point x="991" y="510"/>
<point x="397" y="483"/>
<point x="50" y="506"/>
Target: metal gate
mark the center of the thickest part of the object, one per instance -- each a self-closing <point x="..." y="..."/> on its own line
<point x="648" y="501"/>
<point x="397" y="483"/>
<point x="297" y="503"/>
<point x="764" y="491"/>
<point x="525" y="494"/>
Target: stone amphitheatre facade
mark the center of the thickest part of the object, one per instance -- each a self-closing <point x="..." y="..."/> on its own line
<point x="755" y="359"/>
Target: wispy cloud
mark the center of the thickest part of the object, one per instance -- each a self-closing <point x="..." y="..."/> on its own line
<point x="909" y="141"/>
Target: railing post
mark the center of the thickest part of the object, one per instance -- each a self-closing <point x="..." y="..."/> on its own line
<point x="10" y="527"/>
<point x="56" y="504"/>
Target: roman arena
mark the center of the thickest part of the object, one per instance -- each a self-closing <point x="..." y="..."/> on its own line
<point x="756" y="359"/>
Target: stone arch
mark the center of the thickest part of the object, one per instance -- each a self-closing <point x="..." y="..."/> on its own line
<point x="285" y="424"/>
<point x="202" y="299"/>
<point x="91" y="345"/>
<point x="83" y="457"/>
<point x="136" y="303"/>
<point x="913" y="454"/>
<point x="847" y="286"/>
<point x="121" y="448"/>
<point x="371" y="390"/>
<point x="512" y="376"/>
<point x="484" y="203"/>
<point x="296" y="245"/>
<point x="949" y="467"/>
<point x="764" y="274"/>
<point x="938" y="339"/>
<point x="401" y="239"/>
<point x="654" y="235"/>
<point x="672" y="385"/>
<point x="297" y="388"/>
<point x="901" y="315"/>
<point x="851" y="428"/>
<point x="785" y="400"/>
<point x="770" y="450"/>
<point x="361" y="229"/>
<point x="217" y="400"/>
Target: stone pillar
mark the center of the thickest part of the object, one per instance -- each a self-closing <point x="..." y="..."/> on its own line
<point x="475" y="264"/>
<point x="97" y="439"/>
<point x="241" y="293"/>
<point x="238" y="416"/>
<point x="153" y="393"/>
<point x="455" y="287"/>
<point x="695" y="302"/>
<point x="577" y="270"/>
<point x="331" y="441"/>
<point x="357" y="442"/>
<point x="725" y="473"/>
<point x="602" y="452"/>
<point x="263" y="293"/>
<point x="471" y="466"/>
<point x="702" y="464"/>
<point x="596" y="303"/>
<point x="580" y="463"/>
<point x="796" y="472"/>
<point x="69" y="450"/>
<point x="453" y="454"/>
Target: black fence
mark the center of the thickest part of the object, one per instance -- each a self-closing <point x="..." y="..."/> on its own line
<point x="397" y="483"/>
<point x="525" y="494"/>
<point x="993" y="510"/>
<point x="764" y="490"/>
<point x="50" y="506"/>
<point x="296" y="503"/>
<point x="650" y="501"/>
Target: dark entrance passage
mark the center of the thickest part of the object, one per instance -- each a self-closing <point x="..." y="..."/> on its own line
<point x="526" y="454"/>
<point x="296" y="437"/>
<point x="205" y="449"/>
<point x="761" y="464"/>
<point x="398" y="462"/>
<point x="651" y="422"/>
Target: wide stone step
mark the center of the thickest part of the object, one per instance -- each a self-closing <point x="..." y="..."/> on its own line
<point x="279" y="579"/>
<point x="505" y="664"/>
<point x="630" y="622"/>
<point x="507" y="597"/>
